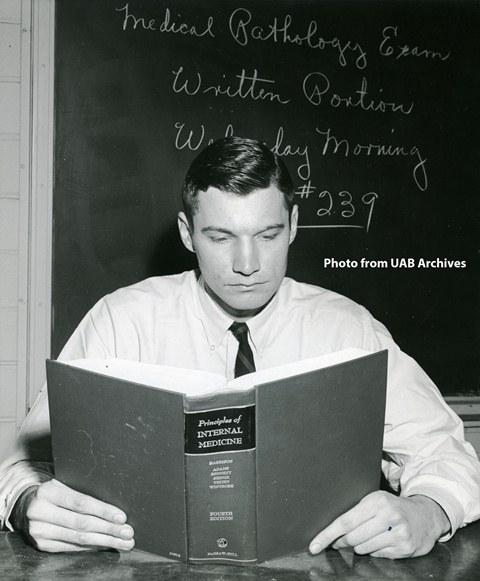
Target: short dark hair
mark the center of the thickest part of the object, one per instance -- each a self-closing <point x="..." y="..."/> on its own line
<point x="238" y="165"/>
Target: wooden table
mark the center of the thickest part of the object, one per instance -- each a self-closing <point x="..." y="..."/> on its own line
<point x="459" y="559"/>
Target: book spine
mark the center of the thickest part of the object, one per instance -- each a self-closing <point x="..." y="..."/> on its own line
<point x="220" y="480"/>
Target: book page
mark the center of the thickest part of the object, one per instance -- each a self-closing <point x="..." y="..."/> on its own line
<point x="177" y="379"/>
<point x="290" y="369"/>
<point x="197" y="383"/>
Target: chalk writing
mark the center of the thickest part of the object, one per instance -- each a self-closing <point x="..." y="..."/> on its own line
<point x="369" y="199"/>
<point x="282" y="149"/>
<point x="182" y="142"/>
<point x="388" y="48"/>
<point x="346" y="148"/>
<point x="247" y="87"/>
<point x="166" y="25"/>
<point x="341" y="205"/>
<point x="304" y="190"/>
<point x="243" y="30"/>
<point x="316" y="85"/>
<point x="193" y="140"/>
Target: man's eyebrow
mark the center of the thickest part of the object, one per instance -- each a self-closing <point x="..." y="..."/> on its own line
<point x="280" y="226"/>
<point x="208" y="229"/>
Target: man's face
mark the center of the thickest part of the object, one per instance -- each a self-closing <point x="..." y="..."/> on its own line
<point x="241" y="244"/>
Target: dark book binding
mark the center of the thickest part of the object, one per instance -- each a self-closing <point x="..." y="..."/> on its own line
<point x="238" y="477"/>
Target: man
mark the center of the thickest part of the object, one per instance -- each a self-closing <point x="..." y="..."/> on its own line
<point x="239" y="218"/>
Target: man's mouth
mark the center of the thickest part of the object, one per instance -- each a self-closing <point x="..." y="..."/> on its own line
<point x="246" y="286"/>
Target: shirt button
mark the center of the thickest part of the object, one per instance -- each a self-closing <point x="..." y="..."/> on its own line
<point x="212" y="347"/>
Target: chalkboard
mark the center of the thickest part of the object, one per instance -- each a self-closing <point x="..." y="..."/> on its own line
<point x="373" y="106"/>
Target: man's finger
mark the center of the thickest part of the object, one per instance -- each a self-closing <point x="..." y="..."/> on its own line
<point x="65" y="497"/>
<point x="378" y="543"/>
<point x="48" y="512"/>
<point x="45" y="532"/>
<point x="341" y="526"/>
<point x="49" y="546"/>
<point x="362" y="534"/>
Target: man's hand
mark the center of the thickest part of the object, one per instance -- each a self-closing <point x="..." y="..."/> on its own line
<point x="384" y="525"/>
<point x="62" y="519"/>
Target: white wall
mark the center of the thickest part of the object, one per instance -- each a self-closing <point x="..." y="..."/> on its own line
<point x="14" y="145"/>
<point x="26" y="110"/>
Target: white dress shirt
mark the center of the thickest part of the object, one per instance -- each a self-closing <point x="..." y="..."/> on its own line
<point x="171" y="320"/>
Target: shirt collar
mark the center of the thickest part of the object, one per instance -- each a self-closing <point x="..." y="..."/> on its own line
<point x="216" y="323"/>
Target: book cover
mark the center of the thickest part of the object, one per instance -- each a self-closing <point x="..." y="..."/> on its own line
<point x="217" y="472"/>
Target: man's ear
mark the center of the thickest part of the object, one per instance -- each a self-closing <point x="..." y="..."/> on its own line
<point x="293" y="223"/>
<point x="184" y="229"/>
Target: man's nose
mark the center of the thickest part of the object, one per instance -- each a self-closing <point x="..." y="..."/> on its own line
<point x="246" y="260"/>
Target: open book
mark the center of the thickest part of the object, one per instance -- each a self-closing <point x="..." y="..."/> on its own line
<point x="221" y="472"/>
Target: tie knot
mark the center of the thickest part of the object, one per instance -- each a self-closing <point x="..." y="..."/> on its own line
<point x="240" y="330"/>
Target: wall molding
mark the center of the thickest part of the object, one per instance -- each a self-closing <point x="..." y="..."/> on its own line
<point x="24" y="215"/>
<point x="40" y="248"/>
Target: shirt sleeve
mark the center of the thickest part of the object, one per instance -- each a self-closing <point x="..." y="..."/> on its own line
<point x="29" y="460"/>
<point x="424" y="447"/>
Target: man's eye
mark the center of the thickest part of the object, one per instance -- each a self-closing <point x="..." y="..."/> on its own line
<point x="218" y="239"/>
<point x="269" y="236"/>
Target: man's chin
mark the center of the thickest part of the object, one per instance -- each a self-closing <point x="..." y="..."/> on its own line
<point x="243" y="307"/>
<point x="240" y="304"/>
<point x="247" y="306"/>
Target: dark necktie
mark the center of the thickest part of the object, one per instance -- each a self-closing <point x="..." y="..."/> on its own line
<point x="244" y="363"/>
